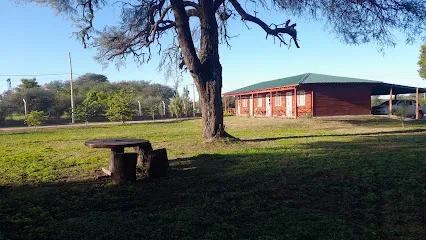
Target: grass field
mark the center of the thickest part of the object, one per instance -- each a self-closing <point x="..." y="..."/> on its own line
<point x="353" y="178"/>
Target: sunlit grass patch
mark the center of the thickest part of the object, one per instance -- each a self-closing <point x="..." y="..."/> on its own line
<point x="340" y="178"/>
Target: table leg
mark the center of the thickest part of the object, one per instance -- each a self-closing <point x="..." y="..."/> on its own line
<point x="111" y="158"/>
<point x="142" y="154"/>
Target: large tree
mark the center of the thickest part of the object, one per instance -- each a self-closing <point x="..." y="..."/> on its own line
<point x="27" y="83"/>
<point x="195" y="44"/>
<point x="422" y="62"/>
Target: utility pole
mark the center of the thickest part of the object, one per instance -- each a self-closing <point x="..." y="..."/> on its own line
<point x="164" y="108"/>
<point x="72" y="97"/>
<point x="140" y="109"/>
<point x="25" y="107"/>
<point x="193" y="101"/>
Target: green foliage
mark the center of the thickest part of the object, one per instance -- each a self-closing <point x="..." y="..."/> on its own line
<point x="93" y="106"/>
<point x="120" y="106"/>
<point x="187" y="107"/>
<point x="376" y="101"/>
<point x="422" y="101"/>
<point x="176" y="105"/>
<point x="151" y="111"/>
<point x="401" y="112"/>
<point x="162" y="110"/>
<point x="3" y="112"/>
<point x="422" y="62"/>
<point x="27" y="83"/>
<point x="54" y="97"/>
<point x="37" y="99"/>
<point x="91" y="78"/>
<point x="85" y="112"/>
<point x="35" y="118"/>
<point x="149" y="105"/>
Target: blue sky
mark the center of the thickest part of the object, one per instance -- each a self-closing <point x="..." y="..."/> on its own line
<point x="36" y="41"/>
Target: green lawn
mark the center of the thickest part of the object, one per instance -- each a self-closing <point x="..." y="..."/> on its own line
<point x="356" y="178"/>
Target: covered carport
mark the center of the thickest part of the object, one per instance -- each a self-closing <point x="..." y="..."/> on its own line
<point x="395" y="90"/>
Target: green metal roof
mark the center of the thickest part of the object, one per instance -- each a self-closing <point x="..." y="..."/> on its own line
<point x="270" y="84"/>
<point x="321" y="78"/>
<point x="308" y="78"/>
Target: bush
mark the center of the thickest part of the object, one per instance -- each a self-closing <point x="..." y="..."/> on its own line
<point x="120" y="106"/>
<point x="35" y="118"/>
<point x="401" y="112"/>
<point x="3" y="112"/>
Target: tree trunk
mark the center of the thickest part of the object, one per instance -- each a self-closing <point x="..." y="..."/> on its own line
<point x="205" y="66"/>
<point x="210" y="91"/>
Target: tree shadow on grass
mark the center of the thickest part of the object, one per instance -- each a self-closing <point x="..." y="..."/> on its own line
<point x="381" y="122"/>
<point x="324" y="190"/>
<point x="382" y="133"/>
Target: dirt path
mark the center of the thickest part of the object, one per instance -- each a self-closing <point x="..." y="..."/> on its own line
<point x="12" y="129"/>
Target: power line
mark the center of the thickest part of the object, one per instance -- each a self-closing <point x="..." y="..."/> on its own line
<point x="34" y="75"/>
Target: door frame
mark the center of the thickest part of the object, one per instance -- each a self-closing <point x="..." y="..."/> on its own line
<point x="251" y="106"/>
<point x="268" y="105"/>
<point x="289" y="104"/>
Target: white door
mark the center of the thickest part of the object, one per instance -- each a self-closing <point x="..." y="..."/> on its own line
<point x="268" y="105"/>
<point x="251" y="106"/>
<point x="289" y="104"/>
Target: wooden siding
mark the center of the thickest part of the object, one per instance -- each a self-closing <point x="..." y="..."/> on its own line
<point x="341" y="99"/>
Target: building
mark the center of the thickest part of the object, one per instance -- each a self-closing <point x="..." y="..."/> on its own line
<point x="312" y="95"/>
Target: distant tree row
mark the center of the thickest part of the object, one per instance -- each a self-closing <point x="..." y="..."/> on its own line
<point x="94" y="96"/>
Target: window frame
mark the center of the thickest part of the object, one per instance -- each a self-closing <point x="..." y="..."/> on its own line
<point x="244" y="102"/>
<point x="259" y="101"/>
<point x="278" y="100"/>
<point x="301" y="98"/>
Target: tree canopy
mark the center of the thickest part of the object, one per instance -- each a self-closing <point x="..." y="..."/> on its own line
<point x="53" y="97"/>
<point x="27" y="83"/>
<point x="91" y="78"/>
<point x="422" y="62"/>
<point x="194" y="44"/>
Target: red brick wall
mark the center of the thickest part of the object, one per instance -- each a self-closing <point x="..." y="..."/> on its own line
<point x="341" y="99"/>
<point x="244" y="111"/>
<point x="277" y="111"/>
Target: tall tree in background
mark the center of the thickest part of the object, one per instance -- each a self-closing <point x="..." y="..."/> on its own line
<point x="195" y="45"/>
<point x="187" y="103"/>
<point x="422" y="62"/>
<point x="91" y="78"/>
<point x="27" y="83"/>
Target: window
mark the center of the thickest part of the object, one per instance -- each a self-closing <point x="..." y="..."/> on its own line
<point x="301" y="97"/>
<point x="259" y="101"/>
<point x="244" y="102"/>
<point x="278" y="99"/>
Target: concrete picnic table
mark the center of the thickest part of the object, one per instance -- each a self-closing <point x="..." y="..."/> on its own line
<point x="122" y="165"/>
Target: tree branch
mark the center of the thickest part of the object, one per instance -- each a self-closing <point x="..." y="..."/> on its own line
<point x="288" y="29"/>
<point x="185" y="40"/>
<point x="217" y="3"/>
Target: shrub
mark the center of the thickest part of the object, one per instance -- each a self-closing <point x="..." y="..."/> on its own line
<point x="120" y="108"/>
<point x="35" y="118"/>
<point x="401" y="112"/>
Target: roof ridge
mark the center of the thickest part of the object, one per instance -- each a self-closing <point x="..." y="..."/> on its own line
<point x="304" y="78"/>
